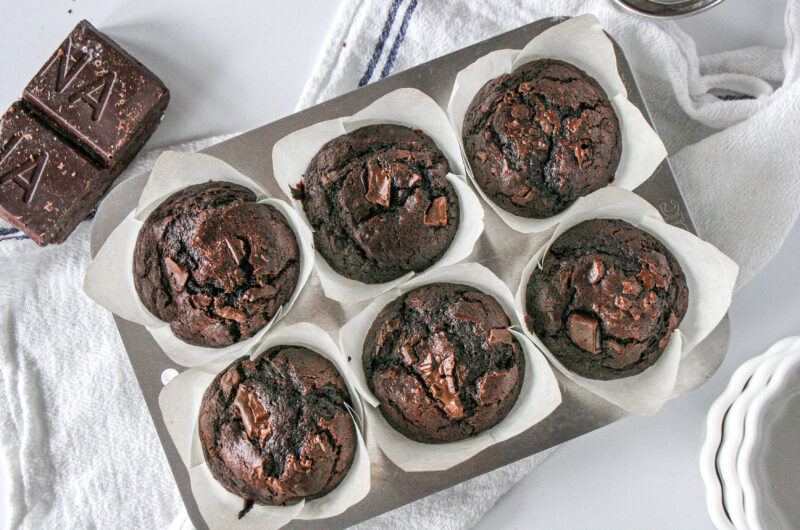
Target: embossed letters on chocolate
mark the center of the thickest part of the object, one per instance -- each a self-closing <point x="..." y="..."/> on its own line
<point x="46" y="185"/>
<point x="27" y="175"/>
<point x="98" y="96"/>
<point x="62" y="60"/>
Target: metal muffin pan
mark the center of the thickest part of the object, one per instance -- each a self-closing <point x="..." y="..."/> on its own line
<point x="499" y="248"/>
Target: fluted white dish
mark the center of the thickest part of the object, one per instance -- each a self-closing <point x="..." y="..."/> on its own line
<point x="768" y="466"/>
<point x="732" y="434"/>
<point x="708" y="452"/>
<point x="715" y="422"/>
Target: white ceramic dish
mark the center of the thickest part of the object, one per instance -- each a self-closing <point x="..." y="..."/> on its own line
<point x="715" y="500"/>
<point x="708" y="452"/>
<point x="733" y="433"/>
<point x="767" y="466"/>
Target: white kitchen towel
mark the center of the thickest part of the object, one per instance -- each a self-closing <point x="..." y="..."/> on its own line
<point x="75" y="437"/>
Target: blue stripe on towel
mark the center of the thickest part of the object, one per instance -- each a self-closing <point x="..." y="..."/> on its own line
<point x="8" y="231"/>
<point x="13" y="238"/>
<point x="376" y="55"/>
<point x="398" y="40"/>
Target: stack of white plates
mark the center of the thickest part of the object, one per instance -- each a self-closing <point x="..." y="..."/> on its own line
<point x="750" y="460"/>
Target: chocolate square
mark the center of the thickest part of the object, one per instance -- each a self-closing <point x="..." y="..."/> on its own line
<point x="47" y="186"/>
<point x="95" y="93"/>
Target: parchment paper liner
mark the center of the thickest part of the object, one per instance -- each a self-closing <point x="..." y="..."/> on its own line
<point x="540" y="394"/>
<point x="582" y="42"/>
<point x="405" y="106"/>
<point x="109" y="277"/>
<point x="180" y="400"/>
<point x="710" y="276"/>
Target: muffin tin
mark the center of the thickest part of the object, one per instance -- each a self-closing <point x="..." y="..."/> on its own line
<point x="501" y="249"/>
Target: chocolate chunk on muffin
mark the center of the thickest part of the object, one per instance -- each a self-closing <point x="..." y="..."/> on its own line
<point x="276" y="430"/>
<point x="379" y="203"/>
<point x="540" y="137"/>
<point x="442" y="363"/>
<point x="215" y="264"/>
<point x="606" y="299"/>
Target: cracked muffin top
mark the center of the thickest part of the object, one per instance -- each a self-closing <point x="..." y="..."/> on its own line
<point x="214" y="264"/>
<point x="606" y="299"/>
<point x="276" y="430"/>
<point x="379" y="203"/>
<point x="540" y="137"/>
<point x="442" y="363"/>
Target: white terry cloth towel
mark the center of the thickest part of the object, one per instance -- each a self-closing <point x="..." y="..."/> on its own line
<point x="76" y="440"/>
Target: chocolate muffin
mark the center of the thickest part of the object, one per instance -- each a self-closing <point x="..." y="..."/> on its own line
<point x="606" y="299"/>
<point x="276" y="430"/>
<point x="540" y="137"/>
<point x="442" y="363"/>
<point x="379" y="203"/>
<point x="215" y="264"/>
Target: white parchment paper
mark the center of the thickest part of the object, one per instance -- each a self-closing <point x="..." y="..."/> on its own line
<point x="540" y="394"/>
<point x="180" y="401"/>
<point x="109" y="277"/>
<point x="710" y="277"/>
<point x="406" y="106"/>
<point x="582" y="42"/>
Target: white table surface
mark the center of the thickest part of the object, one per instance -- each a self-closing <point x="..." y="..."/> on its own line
<point x="234" y="66"/>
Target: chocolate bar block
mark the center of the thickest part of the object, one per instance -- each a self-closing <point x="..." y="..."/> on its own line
<point x="47" y="186"/>
<point x="97" y="95"/>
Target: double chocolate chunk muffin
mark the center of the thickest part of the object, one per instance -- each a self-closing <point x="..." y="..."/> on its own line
<point x="379" y="203"/>
<point x="215" y="264"/>
<point x="540" y="137"/>
<point x="606" y="299"/>
<point x="276" y="430"/>
<point x="442" y="363"/>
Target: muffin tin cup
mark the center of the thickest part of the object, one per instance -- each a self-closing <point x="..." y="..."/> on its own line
<point x="180" y="401"/>
<point x="581" y="42"/>
<point x="406" y="106"/>
<point x="710" y="277"/>
<point x="109" y="277"/>
<point x="540" y="394"/>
